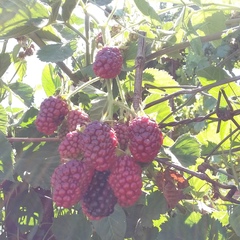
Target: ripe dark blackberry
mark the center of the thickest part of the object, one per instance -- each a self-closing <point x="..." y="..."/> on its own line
<point x="99" y="143"/>
<point x="75" y="118"/>
<point x="99" y="200"/>
<point x="145" y="139"/>
<point x="125" y="180"/>
<point x="71" y="146"/>
<point x="122" y="132"/>
<point x="70" y="181"/>
<point x="108" y="62"/>
<point x="51" y="114"/>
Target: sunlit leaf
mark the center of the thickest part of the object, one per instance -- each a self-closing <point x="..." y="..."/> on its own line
<point x="22" y="17"/>
<point x="186" y="149"/>
<point x="161" y="111"/>
<point x="49" y="33"/>
<point x="50" y="80"/>
<point x="147" y="9"/>
<point x="3" y="120"/>
<point x="21" y="69"/>
<point x="161" y="80"/>
<point x="112" y="227"/>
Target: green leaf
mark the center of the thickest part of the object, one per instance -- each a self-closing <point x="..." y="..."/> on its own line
<point x="235" y="219"/>
<point x="178" y="227"/>
<point x="160" y="79"/>
<point x="112" y="227"/>
<point x="22" y="17"/>
<point x="67" y="8"/>
<point x="24" y="91"/>
<point x="133" y="214"/>
<point x="212" y="73"/>
<point x="55" y="9"/>
<point x="57" y="52"/>
<point x="158" y="111"/>
<point x="147" y="9"/>
<point x="21" y="69"/>
<point x="3" y="120"/>
<point x="208" y="22"/>
<point x="50" y="80"/>
<point x="26" y="210"/>
<point x="36" y="164"/>
<point x="186" y="149"/>
<point x="5" y="61"/>
<point x="99" y="107"/>
<point x="6" y="159"/>
<point x="156" y="205"/>
<point x="49" y="33"/>
<point x="102" y="2"/>
<point x="72" y="227"/>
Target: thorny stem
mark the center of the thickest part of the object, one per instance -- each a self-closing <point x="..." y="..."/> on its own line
<point x="203" y="176"/>
<point x="220" y="143"/>
<point x="181" y="46"/>
<point x="193" y="91"/>
<point x="139" y="63"/>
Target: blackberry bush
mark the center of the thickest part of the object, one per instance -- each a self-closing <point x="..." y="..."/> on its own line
<point x="70" y="181"/>
<point x="99" y="200"/>
<point x="145" y="139"/>
<point x="108" y="62"/>
<point x="125" y="180"/>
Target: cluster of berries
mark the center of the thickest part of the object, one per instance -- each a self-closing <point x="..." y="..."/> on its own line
<point x="92" y="171"/>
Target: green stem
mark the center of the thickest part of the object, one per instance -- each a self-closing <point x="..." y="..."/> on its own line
<point x="123" y="106"/>
<point x="76" y="31"/>
<point x="87" y="27"/>
<point x="109" y="100"/>
<point x="83" y="86"/>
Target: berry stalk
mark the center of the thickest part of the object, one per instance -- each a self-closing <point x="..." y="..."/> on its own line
<point x="25" y="139"/>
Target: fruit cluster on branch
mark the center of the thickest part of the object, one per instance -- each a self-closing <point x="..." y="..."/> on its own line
<point x="99" y="161"/>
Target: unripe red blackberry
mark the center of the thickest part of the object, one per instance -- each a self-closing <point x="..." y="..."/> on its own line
<point x="51" y="114"/>
<point x="125" y="180"/>
<point x="71" y="145"/>
<point x="77" y="118"/>
<point x="122" y="133"/>
<point x="70" y="181"/>
<point x="145" y="139"/>
<point x="99" y="143"/>
<point x="108" y="62"/>
<point x="99" y="200"/>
